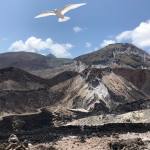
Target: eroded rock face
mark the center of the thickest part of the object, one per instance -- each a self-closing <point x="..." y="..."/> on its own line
<point x="93" y="89"/>
<point x="102" y="90"/>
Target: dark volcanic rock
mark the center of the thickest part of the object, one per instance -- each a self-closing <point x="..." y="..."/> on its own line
<point x="131" y="144"/>
<point x="26" y="122"/>
<point x="133" y="106"/>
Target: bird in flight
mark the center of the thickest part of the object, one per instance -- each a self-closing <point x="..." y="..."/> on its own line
<point x="60" y="13"/>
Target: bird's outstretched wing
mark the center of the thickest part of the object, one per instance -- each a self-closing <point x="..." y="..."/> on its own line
<point x="46" y="14"/>
<point x="71" y="7"/>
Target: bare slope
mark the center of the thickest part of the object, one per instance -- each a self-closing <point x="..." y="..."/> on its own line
<point x="99" y="90"/>
<point x="121" y="55"/>
<point x="21" y="91"/>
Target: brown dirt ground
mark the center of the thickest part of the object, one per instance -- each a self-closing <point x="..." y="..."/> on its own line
<point x="94" y="143"/>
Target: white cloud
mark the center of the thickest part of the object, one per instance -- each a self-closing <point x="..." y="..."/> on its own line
<point x="123" y="36"/>
<point x="107" y="42"/>
<point x="37" y="45"/>
<point x="77" y="29"/>
<point x="139" y="36"/>
<point x="88" y="44"/>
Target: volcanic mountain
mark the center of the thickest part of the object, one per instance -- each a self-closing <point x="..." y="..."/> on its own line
<point x="95" y="90"/>
<point x="117" y="55"/>
<point x="106" y="92"/>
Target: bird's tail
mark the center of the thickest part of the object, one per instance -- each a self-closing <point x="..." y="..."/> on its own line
<point x="63" y="19"/>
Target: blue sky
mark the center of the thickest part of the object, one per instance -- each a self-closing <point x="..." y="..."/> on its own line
<point x="95" y="25"/>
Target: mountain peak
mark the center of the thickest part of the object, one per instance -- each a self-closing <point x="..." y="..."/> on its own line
<point x="51" y="56"/>
<point x="122" y="54"/>
<point x="125" y="47"/>
<point x="121" y="44"/>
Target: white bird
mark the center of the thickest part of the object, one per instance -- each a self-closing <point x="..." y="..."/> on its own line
<point x="61" y="12"/>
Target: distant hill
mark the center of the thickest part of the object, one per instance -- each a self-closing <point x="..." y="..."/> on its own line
<point x="119" y="55"/>
<point x="21" y="91"/>
<point x="16" y="79"/>
<point x="31" y="61"/>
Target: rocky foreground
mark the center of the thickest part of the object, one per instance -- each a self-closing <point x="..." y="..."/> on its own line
<point x="129" y="141"/>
